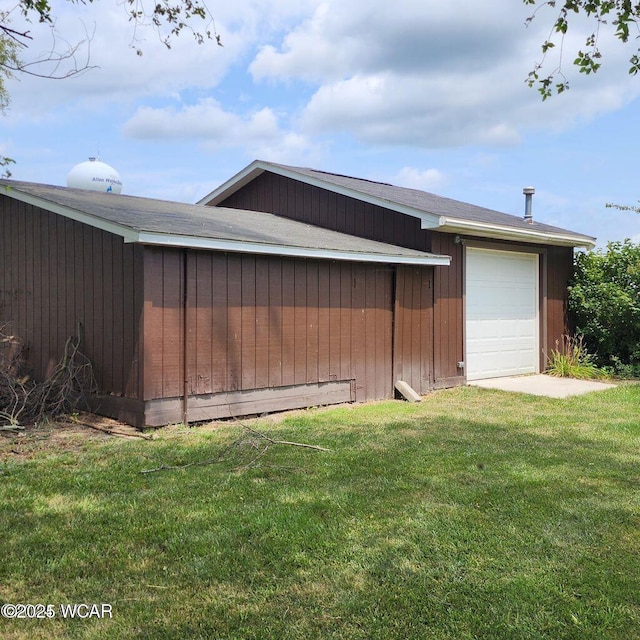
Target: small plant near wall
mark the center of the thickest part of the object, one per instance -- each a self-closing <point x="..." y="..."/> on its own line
<point x="570" y="359"/>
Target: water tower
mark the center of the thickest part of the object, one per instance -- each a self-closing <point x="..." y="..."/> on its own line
<point x="94" y="175"/>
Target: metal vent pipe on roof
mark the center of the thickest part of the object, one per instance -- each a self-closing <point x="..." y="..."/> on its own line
<point x="528" y="197"/>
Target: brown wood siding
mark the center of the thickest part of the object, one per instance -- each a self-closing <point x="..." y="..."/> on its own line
<point x="559" y="269"/>
<point x="413" y="328"/>
<point x="257" y="323"/>
<point x="56" y="274"/>
<point x="448" y="309"/>
<point x="299" y="201"/>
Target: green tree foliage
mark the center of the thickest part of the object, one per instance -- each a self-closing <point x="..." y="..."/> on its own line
<point x="604" y="300"/>
<point x="622" y="17"/>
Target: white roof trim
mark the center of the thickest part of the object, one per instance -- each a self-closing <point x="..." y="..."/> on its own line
<point x="280" y="250"/>
<point x="498" y="232"/>
<point x="427" y="220"/>
<point x="128" y="234"/>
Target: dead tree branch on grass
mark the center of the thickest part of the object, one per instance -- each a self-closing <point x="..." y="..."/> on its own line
<point x="250" y="439"/>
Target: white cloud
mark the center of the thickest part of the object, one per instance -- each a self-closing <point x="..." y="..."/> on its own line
<point x="206" y="121"/>
<point x="214" y="128"/>
<point x="430" y="75"/>
<point x="425" y="180"/>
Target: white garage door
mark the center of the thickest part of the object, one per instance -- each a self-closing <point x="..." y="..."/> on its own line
<point x="501" y="313"/>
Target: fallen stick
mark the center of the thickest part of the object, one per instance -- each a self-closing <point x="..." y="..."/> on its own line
<point x="256" y="434"/>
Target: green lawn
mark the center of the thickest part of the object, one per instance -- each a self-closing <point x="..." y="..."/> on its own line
<point x="475" y="514"/>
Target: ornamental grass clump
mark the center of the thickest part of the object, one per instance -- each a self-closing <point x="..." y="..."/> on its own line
<point x="570" y="359"/>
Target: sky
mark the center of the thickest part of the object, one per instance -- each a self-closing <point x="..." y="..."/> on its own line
<point x="424" y="94"/>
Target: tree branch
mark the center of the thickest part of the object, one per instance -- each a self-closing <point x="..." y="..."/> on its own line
<point x="258" y="440"/>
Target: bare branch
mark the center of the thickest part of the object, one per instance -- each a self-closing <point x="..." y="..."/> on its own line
<point x="61" y="61"/>
<point x="258" y="441"/>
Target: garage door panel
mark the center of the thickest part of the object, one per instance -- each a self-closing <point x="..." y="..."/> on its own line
<point x="501" y="313"/>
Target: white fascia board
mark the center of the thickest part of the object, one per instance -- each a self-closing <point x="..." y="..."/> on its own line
<point x="449" y="225"/>
<point x="129" y="235"/>
<point x="427" y="220"/>
<point x="233" y="184"/>
<point x="192" y="242"/>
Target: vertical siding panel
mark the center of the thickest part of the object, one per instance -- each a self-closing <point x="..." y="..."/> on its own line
<point x="51" y="293"/>
<point x="371" y="320"/>
<point x="234" y="322"/>
<point x="275" y="322"/>
<point x="248" y="322"/>
<point x="324" y="321"/>
<point x="31" y="259"/>
<point x="417" y="330"/>
<point x="427" y="335"/>
<point x="448" y="308"/>
<point x="346" y="289"/>
<point x="300" y="321"/>
<point x="335" y="330"/>
<point x="222" y="350"/>
<point x="322" y="218"/>
<point x="5" y="252"/>
<point x="106" y="293"/>
<point x="71" y="320"/>
<point x="137" y="371"/>
<point x="262" y="322"/>
<point x="288" y="322"/>
<point x="189" y="351"/>
<point x="407" y="328"/>
<point x="283" y="193"/>
<point x="203" y="322"/>
<point x="153" y="323"/>
<point x="358" y="331"/>
<point x="119" y="284"/>
<point x="19" y="291"/>
<point x="559" y="271"/>
<point x="130" y="321"/>
<point x="340" y="207"/>
<point x="383" y="335"/>
<point x="312" y="304"/>
<point x="66" y="307"/>
<point x="172" y="329"/>
<point x="85" y="263"/>
<point x="98" y="307"/>
<point x="37" y="346"/>
<point x="398" y="325"/>
<point x="79" y="269"/>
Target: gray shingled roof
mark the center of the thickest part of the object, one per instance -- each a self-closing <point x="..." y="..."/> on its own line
<point x="435" y="212"/>
<point x="426" y="202"/>
<point x="163" y="218"/>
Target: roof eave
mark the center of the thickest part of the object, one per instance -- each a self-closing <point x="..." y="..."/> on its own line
<point x="129" y="235"/>
<point x="498" y="232"/>
<point x="236" y="182"/>
<point x="144" y="237"/>
<point x="252" y="171"/>
<point x="217" y="244"/>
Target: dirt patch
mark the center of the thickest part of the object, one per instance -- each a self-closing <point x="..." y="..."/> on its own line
<point x="69" y="434"/>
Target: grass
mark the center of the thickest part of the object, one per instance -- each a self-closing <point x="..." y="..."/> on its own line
<point x="475" y="514"/>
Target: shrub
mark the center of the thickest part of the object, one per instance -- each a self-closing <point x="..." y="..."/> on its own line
<point x="604" y="301"/>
